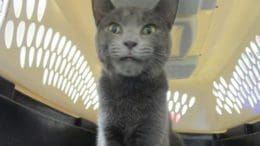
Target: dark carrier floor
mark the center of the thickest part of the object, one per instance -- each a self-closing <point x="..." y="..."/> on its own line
<point x="26" y="122"/>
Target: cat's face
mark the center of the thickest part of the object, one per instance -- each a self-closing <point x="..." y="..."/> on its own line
<point x="132" y="41"/>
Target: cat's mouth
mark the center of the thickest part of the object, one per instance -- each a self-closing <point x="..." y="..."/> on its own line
<point x="129" y="58"/>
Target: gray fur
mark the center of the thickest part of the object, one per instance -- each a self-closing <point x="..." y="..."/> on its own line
<point x="133" y="85"/>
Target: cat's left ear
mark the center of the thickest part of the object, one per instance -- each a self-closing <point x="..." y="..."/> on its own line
<point x="101" y="8"/>
<point x="167" y="9"/>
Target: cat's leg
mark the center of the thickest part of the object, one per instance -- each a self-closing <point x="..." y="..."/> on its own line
<point x="109" y="136"/>
<point x="149" y="134"/>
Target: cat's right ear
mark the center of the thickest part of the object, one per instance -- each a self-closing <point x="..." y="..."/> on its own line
<point x="167" y="9"/>
<point x="101" y="8"/>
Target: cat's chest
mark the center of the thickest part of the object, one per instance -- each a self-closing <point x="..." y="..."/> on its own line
<point x="129" y="109"/>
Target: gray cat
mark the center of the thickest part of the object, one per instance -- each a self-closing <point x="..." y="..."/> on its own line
<point x="133" y="45"/>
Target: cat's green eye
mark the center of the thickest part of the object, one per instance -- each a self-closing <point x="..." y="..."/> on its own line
<point x="114" y="28"/>
<point x="149" y="29"/>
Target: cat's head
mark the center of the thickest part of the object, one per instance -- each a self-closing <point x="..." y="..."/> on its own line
<point x="134" y="41"/>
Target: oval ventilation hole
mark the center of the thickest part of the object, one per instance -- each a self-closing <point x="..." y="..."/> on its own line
<point x="237" y="78"/>
<point x="94" y="94"/>
<point x="84" y="97"/>
<point x="251" y="102"/>
<point x="77" y="82"/>
<point x="66" y="49"/>
<point x="30" y="4"/>
<point x="254" y="98"/>
<point x="256" y="72"/>
<point x="45" y="76"/>
<point x="232" y="89"/>
<point x="184" y="110"/>
<point x="93" y="97"/>
<point x="71" y="72"/>
<point x="9" y="32"/>
<point x="31" y="56"/>
<point x="239" y="103"/>
<point x="85" y="72"/>
<point x="17" y="6"/>
<point x="247" y="90"/>
<point x="60" y="82"/>
<point x="80" y="88"/>
<point x="246" y="61"/>
<point x="62" y="67"/>
<point x="75" y="58"/>
<point x="64" y="84"/>
<point x="75" y="77"/>
<point x="70" y="91"/>
<point x="95" y="100"/>
<point x="257" y="92"/>
<point x="222" y="89"/>
<point x="231" y="96"/>
<point x="68" y="67"/>
<point x="47" y="38"/>
<point x="39" y="36"/>
<point x="52" y="60"/>
<point x="61" y="45"/>
<point x="23" y="56"/>
<point x="215" y="84"/>
<point x="96" y="106"/>
<point x="80" y="61"/>
<point x="55" y="80"/>
<point x="220" y="95"/>
<point x="227" y="108"/>
<point x="73" y="95"/>
<point x="249" y="83"/>
<point x="237" y="109"/>
<point x="242" y="66"/>
<point x="88" y="105"/>
<point x="30" y="34"/>
<point x="240" y="73"/>
<point x="46" y="58"/>
<point x="76" y="98"/>
<point x="234" y="83"/>
<point x="241" y="98"/>
<point x="219" y="103"/>
<point x="72" y="52"/>
<point x="92" y="88"/>
<point x="88" y="77"/>
<point x="176" y="96"/>
<point x="84" y="67"/>
<point x="229" y="102"/>
<point x="177" y="107"/>
<point x="51" y="77"/>
<point x="252" y="77"/>
<point x="192" y="102"/>
<point x="250" y="55"/>
<point x="39" y="57"/>
<point x="41" y="9"/>
<point x="83" y="91"/>
<point x="20" y="33"/>
<point x="57" y="63"/>
<point x="55" y="41"/>
<point x="255" y="50"/>
<point x="67" y="88"/>
<point x="218" y="110"/>
<point x="223" y="82"/>
<point x="90" y="82"/>
<point x="184" y="98"/>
